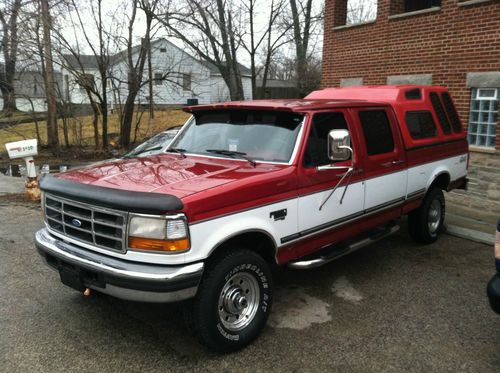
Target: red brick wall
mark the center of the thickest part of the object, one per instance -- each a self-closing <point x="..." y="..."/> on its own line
<point x="447" y="43"/>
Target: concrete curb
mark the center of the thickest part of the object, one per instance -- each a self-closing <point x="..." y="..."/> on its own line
<point x="469" y="234"/>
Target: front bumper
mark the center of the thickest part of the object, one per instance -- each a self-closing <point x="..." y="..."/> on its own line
<point x="122" y="279"/>
<point x="493" y="291"/>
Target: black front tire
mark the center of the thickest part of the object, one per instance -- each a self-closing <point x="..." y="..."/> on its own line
<point x="426" y="222"/>
<point x="238" y="277"/>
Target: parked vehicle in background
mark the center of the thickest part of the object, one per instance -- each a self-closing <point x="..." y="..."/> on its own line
<point x="248" y="185"/>
<point x="154" y="145"/>
<point x="493" y="289"/>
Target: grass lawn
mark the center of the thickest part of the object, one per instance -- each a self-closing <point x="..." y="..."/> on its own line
<point x="81" y="133"/>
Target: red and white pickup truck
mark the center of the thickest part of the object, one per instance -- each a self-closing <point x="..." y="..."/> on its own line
<point x="248" y="185"/>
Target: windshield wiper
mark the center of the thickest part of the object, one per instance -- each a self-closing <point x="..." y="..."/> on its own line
<point x="232" y="154"/>
<point x="133" y="155"/>
<point x="177" y="150"/>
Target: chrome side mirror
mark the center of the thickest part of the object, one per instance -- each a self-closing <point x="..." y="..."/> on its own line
<point x="339" y="145"/>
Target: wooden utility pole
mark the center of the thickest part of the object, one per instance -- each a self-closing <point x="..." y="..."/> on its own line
<point x="50" y="87"/>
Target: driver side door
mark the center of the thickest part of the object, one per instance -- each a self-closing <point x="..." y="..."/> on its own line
<point x="321" y="215"/>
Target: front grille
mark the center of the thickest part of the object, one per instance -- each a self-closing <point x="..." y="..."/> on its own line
<point x="94" y="225"/>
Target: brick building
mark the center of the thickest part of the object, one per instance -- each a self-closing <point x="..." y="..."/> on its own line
<point x="441" y="42"/>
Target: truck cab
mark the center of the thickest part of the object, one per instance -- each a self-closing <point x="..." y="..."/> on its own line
<point x="245" y="186"/>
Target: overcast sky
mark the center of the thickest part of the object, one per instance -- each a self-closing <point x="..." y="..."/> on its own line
<point x="119" y="10"/>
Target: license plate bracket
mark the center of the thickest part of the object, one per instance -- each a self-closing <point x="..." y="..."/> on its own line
<point x="71" y="277"/>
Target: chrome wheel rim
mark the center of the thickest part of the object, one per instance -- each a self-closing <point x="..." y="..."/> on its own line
<point x="434" y="218"/>
<point x="239" y="301"/>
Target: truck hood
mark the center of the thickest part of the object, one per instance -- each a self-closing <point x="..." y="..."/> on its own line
<point x="167" y="173"/>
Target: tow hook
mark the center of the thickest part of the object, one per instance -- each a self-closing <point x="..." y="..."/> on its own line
<point x="87" y="292"/>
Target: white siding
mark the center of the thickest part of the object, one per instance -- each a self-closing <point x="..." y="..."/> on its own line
<point x="23" y="104"/>
<point x="166" y="59"/>
<point x="172" y="63"/>
<point x="220" y="92"/>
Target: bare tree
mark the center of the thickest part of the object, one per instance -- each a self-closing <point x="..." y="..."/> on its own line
<point x="265" y="41"/>
<point x="9" y="18"/>
<point x="104" y="31"/>
<point x="135" y="78"/>
<point x="209" y="29"/>
<point x="304" y="22"/>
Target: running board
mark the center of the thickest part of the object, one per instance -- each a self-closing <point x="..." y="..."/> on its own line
<point x="336" y="251"/>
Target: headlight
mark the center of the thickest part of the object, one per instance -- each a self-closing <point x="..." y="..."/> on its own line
<point x="158" y="234"/>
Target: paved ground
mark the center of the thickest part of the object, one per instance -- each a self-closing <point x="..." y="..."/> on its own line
<point x="11" y="184"/>
<point x="393" y="306"/>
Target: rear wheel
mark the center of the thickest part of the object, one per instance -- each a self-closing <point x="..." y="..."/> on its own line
<point x="425" y="223"/>
<point x="233" y="302"/>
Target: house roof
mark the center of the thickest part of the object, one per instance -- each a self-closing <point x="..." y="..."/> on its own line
<point x="214" y="70"/>
<point x="90" y="61"/>
<point x="85" y="61"/>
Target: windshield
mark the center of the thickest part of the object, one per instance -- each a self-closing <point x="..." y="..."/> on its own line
<point x="154" y="145"/>
<point x="268" y="136"/>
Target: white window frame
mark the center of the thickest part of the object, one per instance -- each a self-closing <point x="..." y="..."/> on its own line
<point x="482" y="132"/>
<point x="479" y="97"/>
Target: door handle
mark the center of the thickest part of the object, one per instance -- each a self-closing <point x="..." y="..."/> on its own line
<point x="392" y="163"/>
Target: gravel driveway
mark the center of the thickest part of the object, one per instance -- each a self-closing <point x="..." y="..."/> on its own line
<point x="393" y="306"/>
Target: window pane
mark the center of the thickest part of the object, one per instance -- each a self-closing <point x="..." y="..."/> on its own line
<point x="186" y="82"/>
<point x="413" y="5"/>
<point x="483" y="118"/>
<point x="377" y="131"/>
<point x="452" y="112"/>
<point x="421" y="124"/>
<point x="158" y="78"/>
<point x="438" y="108"/>
<point x="490" y="93"/>
<point x="359" y="11"/>
<point x="317" y="142"/>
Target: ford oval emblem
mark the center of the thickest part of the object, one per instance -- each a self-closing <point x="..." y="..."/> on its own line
<point x="76" y="223"/>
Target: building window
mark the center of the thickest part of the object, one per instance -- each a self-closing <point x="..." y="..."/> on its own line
<point x="405" y="6"/>
<point x="186" y="82"/>
<point x="361" y="11"/>
<point x="377" y="131"/>
<point x="158" y="78"/>
<point x="163" y="50"/>
<point x="414" y="5"/>
<point x="483" y="118"/>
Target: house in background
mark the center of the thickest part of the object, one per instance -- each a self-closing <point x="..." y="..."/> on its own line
<point x="178" y="77"/>
<point x="30" y="90"/>
<point x="455" y="43"/>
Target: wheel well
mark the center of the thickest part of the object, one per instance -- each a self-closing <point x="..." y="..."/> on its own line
<point x="257" y="241"/>
<point x="442" y="181"/>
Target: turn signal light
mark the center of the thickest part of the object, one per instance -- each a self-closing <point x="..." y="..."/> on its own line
<point x="151" y="244"/>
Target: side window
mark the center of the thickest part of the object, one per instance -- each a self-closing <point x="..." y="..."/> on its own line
<point x="452" y="112"/>
<point x="438" y="108"/>
<point x="420" y="124"/>
<point x="317" y="143"/>
<point x="377" y="131"/>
